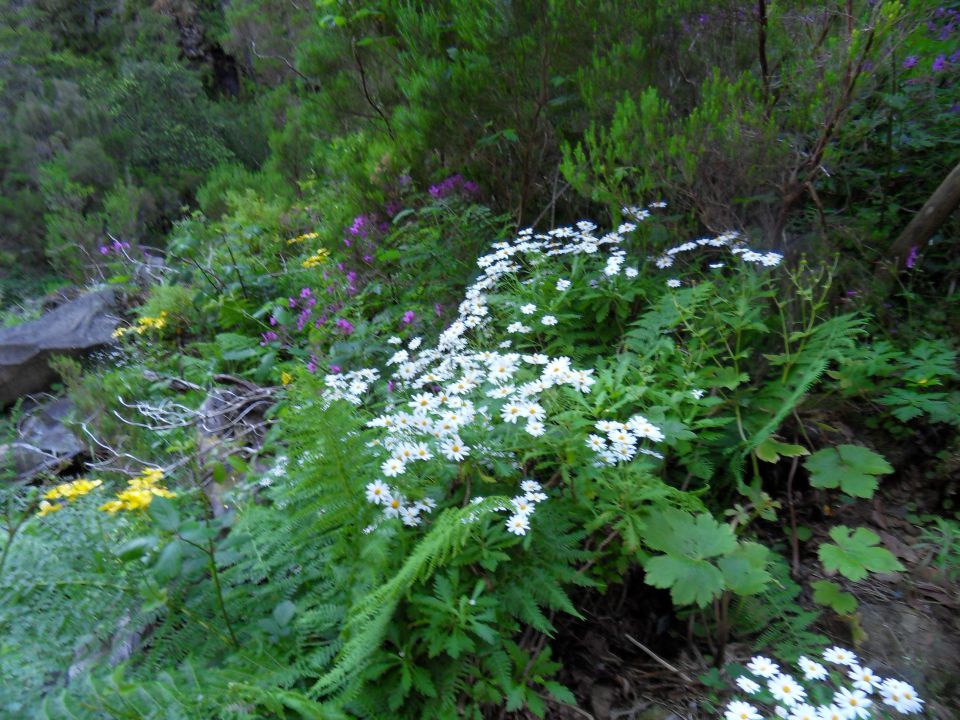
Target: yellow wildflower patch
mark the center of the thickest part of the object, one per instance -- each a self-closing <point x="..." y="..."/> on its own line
<point x="302" y="238"/>
<point x="143" y="324"/>
<point x="139" y="492"/>
<point x="318" y="258"/>
<point x="286" y="378"/>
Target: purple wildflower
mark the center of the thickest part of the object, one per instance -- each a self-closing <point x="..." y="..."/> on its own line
<point x="910" y="61"/>
<point x="940" y="64"/>
<point x="408" y="317"/>
<point x="345" y="326"/>
<point x="267" y="337"/>
<point x="335" y="369"/>
<point x="912" y="257"/>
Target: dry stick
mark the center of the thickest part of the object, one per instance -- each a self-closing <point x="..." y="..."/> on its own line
<point x="366" y="92"/>
<point x="762" y="48"/>
<point x="652" y="654"/>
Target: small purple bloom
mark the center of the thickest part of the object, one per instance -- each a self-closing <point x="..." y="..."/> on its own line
<point x="438" y="308"/>
<point x="346" y="327"/>
<point x="267" y="337"/>
<point x="408" y="317"/>
<point x="104" y="250"/>
<point x="912" y="258"/>
<point x="292" y="302"/>
<point x="910" y="61"/>
<point x="390" y="386"/>
<point x="273" y="319"/>
<point x="335" y="369"/>
<point x="940" y="64"/>
<point x="305" y="292"/>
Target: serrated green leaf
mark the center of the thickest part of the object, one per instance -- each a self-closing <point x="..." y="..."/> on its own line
<point x="771" y="450"/>
<point x="745" y="569"/>
<point x="832" y="595"/>
<point x="852" y="468"/>
<point x="856" y="554"/>
<point x="678" y="533"/>
<point x="689" y="580"/>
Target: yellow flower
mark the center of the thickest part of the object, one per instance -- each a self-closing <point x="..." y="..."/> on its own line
<point x="139" y="492"/>
<point x="72" y="490"/>
<point x="46" y="508"/>
<point x="286" y="378"/>
<point x="318" y="258"/>
<point x="301" y="238"/>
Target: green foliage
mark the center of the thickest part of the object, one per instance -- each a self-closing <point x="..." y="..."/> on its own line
<point x="852" y="468"/>
<point x="855" y="554"/>
<point x="830" y="594"/>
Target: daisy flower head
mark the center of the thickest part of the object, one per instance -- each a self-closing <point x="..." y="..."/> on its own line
<point x="454" y="449"/>
<point x="596" y="443"/>
<point x="855" y="704"/>
<point x="535" y="428"/>
<point x="529" y="486"/>
<point x="410" y="516"/>
<point x="518" y="524"/>
<point x="392" y="507"/>
<point x="563" y="284"/>
<point x="747" y="685"/>
<point x="786" y="690"/>
<point x="548" y="320"/>
<point x="763" y="667"/>
<point x="811" y="670"/>
<point x="864" y="678"/>
<point x="392" y="467"/>
<point x="673" y="283"/>
<point x="528" y="309"/>
<point x="535" y="497"/>
<point x="522" y="506"/>
<point x="831" y="712"/>
<point x="378" y="492"/>
<point x="631" y="272"/>
<point x="901" y="696"/>
<point x="839" y="656"/>
<point x="804" y="712"/>
<point x="739" y="710"/>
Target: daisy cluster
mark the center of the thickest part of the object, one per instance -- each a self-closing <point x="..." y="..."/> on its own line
<point x="618" y="443"/>
<point x="451" y="391"/>
<point x="444" y="393"/>
<point x="729" y="241"/>
<point x="791" y="699"/>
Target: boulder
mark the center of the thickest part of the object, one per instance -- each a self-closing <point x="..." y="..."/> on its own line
<point x="44" y="443"/>
<point x="73" y="328"/>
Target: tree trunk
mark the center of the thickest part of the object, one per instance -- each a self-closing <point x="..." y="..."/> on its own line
<point x="932" y="215"/>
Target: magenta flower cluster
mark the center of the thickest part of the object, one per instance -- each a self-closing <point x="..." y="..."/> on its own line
<point x="455" y="184"/>
<point x="117" y="247"/>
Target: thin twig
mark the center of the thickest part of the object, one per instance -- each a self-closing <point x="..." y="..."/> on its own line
<point x="652" y="654"/>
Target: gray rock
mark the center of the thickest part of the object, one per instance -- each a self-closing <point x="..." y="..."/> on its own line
<point x="44" y="443"/>
<point x="71" y="329"/>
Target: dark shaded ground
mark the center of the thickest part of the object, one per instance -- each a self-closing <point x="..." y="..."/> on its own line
<point x="907" y="625"/>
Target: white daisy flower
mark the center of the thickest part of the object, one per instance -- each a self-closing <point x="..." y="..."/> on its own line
<point x="786" y="690"/>
<point x="392" y="467"/>
<point x="378" y="492"/>
<point x="811" y="670"/>
<point x="864" y="679"/>
<point x="739" y="710"/>
<point x="548" y="320"/>
<point x="454" y="449"/>
<point x="510" y="412"/>
<point x="563" y="285"/>
<point x="529" y="486"/>
<point x="855" y="703"/>
<point x="839" y="655"/>
<point x="535" y="428"/>
<point x="394" y="341"/>
<point x="747" y="685"/>
<point x="673" y="283"/>
<point x="518" y="524"/>
<point x="596" y="443"/>
<point x="522" y="506"/>
<point x="804" y="712"/>
<point x="831" y="712"/>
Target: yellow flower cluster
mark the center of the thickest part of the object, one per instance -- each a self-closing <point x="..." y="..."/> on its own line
<point x="66" y="491"/>
<point x="139" y="493"/>
<point x="143" y="324"/>
<point x="286" y="378"/>
<point x="318" y="258"/>
<point x="301" y="238"/>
